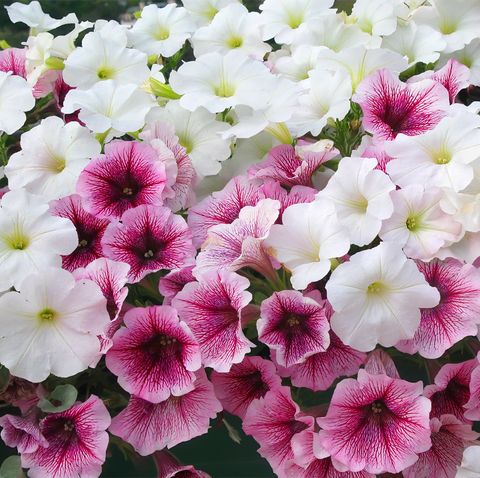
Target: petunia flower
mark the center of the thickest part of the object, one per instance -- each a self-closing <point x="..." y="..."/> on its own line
<point x="391" y="107"/>
<point x="22" y="433"/>
<point x="149" y="427"/>
<point x="376" y="423"/>
<point x="361" y="195"/>
<point x="169" y="467"/>
<point x="455" y="317"/>
<point x="13" y="60"/>
<point x="376" y="17"/>
<point x="128" y="175"/>
<point x="51" y="325"/>
<point x="319" y="237"/>
<point x="472" y="407"/>
<point x="77" y="442"/>
<point x="470" y="466"/>
<point x="31" y="238"/>
<point x="173" y="282"/>
<point x="418" y="223"/>
<point x="52" y="156"/>
<point x="154" y="355"/>
<point x="212" y="308"/>
<point x="244" y="383"/>
<point x="377" y="296"/>
<point x="204" y="11"/>
<point x="273" y="421"/>
<point x="296" y="327"/>
<point x="90" y="230"/>
<point x="148" y="239"/>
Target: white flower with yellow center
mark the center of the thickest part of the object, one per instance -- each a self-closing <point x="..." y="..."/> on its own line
<point x="377" y="296"/>
<point x="204" y="11"/>
<point x="51" y="325"/>
<point x="16" y="97"/>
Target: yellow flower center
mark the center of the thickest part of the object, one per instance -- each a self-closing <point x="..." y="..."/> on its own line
<point x="162" y="33"/>
<point x="235" y="42"/>
<point x="375" y="288"/>
<point x="47" y="315"/>
<point x="105" y="73"/>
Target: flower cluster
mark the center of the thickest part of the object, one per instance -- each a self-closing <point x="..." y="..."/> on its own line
<point x="217" y="211"/>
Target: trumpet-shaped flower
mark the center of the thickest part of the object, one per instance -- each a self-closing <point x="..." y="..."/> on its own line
<point x="31" y="239"/>
<point x="377" y="296"/>
<point x="470" y="466"/>
<point x="51" y="325"/>
<point x="361" y="195"/>
<point x="52" y="157"/>
<point x="418" y="224"/>
<point x="376" y="17"/>
<point x="319" y="237"/>
<point x="13" y="60"/>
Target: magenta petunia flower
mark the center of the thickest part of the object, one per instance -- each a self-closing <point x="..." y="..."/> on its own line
<point x="222" y="207"/>
<point x="240" y="244"/>
<point x="22" y="433"/>
<point x="169" y="467"/>
<point x="149" y="239"/>
<point x="472" y="407"/>
<point x="376" y="423"/>
<point x="212" y="308"/>
<point x="451" y="391"/>
<point x="154" y="355"/>
<point x="90" y="230"/>
<point x="455" y="317"/>
<point x="273" y="421"/>
<point x="293" y="166"/>
<point x="296" y="327"/>
<point x="454" y="76"/>
<point x="13" y="59"/>
<point x="149" y="427"/>
<point x="180" y="173"/>
<point x="380" y="363"/>
<point x="171" y="284"/>
<point x="244" y="383"/>
<point x="129" y="174"/>
<point x="391" y="107"/>
<point x="77" y="442"/>
<point x="449" y="438"/>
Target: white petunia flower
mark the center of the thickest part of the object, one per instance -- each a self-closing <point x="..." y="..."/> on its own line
<point x="108" y="106"/>
<point x="100" y="59"/>
<point x="51" y="325"/>
<point x="362" y="198"/>
<point x="113" y="31"/>
<point x="37" y="53"/>
<point x="199" y="133"/>
<point x="457" y="21"/>
<point x="218" y="82"/>
<point x="285" y="20"/>
<point x="470" y="57"/>
<point x="161" y="31"/>
<point x="16" y="97"/>
<point x="52" y="157"/>
<point x="30" y="238"/>
<point x="470" y="466"/>
<point x="441" y="157"/>
<point x="295" y="65"/>
<point x="376" y="17"/>
<point x="377" y="296"/>
<point x="32" y="15"/>
<point x="418" y="224"/>
<point x="328" y="97"/>
<point x="233" y="28"/>
<point x="308" y="239"/>
<point x="418" y="43"/>
<point x="204" y="11"/>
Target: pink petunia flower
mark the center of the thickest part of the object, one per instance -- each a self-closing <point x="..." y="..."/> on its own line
<point x="212" y="308"/>
<point x="240" y="244"/>
<point x="155" y="355"/>
<point x="245" y="382"/>
<point x="376" y="423"/>
<point x="222" y="207"/>
<point x="149" y="427"/>
<point x="13" y="59"/>
<point x="129" y="174"/>
<point x="77" y="442"/>
<point x="273" y="421"/>
<point x="449" y="439"/>
<point x="293" y="166"/>
<point x="296" y="327"/>
<point x="472" y="407"/>
<point x="455" y="317"/>
<point x="169" y="467"/>
<point x="22" y="433"/>
<point x="171" y="284"/>
<point x="391" y="107"/>
<point x="149" y="239"/>
<point x="90" y="230"/>
<point x="180" y="173"/>
<point x="451" y="392"/>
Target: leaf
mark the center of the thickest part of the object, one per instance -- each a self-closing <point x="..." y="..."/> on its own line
<point x="11" y="468"/>
<point x="4" y="378"/>
<point x="61" y="399"/>
<point x="232" y="432"/>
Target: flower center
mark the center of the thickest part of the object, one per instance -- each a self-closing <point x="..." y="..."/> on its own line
<point x="69" y="426"/>
<point x="443" y="157"/>
<point x="413" y="223"/>
<point x="161" y="344"/>
<point x="235" y="42"/>
<point x="47" y="315"/>
<point x="58" y="164"/>
<point x="162" y="33"/>
<point x="224" y="89"/>
<point x="448" y="27"/>
<point x="375" y="288"/>
<point x="127" y="191"/>
<point x="377" y="407"/>
<point x="149" y="254"/>
<point x="105" y="73"/>
<point x="17" y="241"/>
<point x="186" y="142"/>
<point x="295" y="19"/>
<point x="293" y="320"/>
<point x="83" y="243"/>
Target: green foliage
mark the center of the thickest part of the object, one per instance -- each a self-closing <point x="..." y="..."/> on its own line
<point x="61" y="399"/>
<point x="11" y="468"/>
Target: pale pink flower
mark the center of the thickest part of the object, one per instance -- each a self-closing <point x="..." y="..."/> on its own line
<point x="172" y="283"/>
<point x="472" y="407"/>
<point x="169" y="467"/>
<point x="22" y="433"/>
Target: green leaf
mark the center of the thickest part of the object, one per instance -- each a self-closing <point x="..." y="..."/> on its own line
<point x="232" y="432"/>
<point x="4" y="378"/>
<point x="61" y="399"/>
<point x="11" y="468"/>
